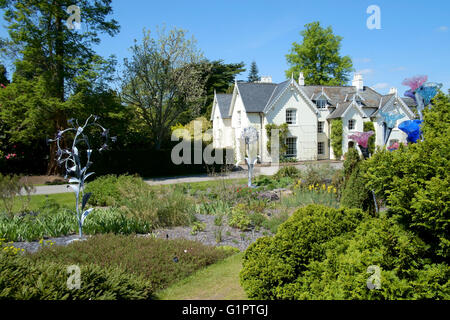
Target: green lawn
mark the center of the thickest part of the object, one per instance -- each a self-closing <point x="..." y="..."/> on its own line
<point x="219" y="281"/>
<point x="67" y="199"/>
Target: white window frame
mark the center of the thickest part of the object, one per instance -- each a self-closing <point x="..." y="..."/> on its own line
<point x="291" y="116"/>
<point x="319" y="144"/>
<point x="321" y="103"/>
<point x="293" y="146"/>
<point x="353" y="126"/>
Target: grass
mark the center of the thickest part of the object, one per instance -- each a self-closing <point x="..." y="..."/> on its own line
<point x="219" y="281"/>
<point x="37" y="201"/>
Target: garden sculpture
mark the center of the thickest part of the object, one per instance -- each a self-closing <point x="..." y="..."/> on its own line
<point x="362" y="138"/>
<point x="421" y="91"/>
<point x="71" y="159"/>
<point x="250" y="136"/>
<point x="390" y="119"/>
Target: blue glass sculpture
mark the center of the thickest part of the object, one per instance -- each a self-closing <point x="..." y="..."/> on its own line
<point x="412" y="128"/>
<point x="71" y="159"/>
<point x="250" y="136"/>
<point x="390" y="119"/>
<point x="428" y="91"/>
<point x="410" y="94"/>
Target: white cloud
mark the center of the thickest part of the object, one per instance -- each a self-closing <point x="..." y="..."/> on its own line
<point x="381" y="85"/>
<point x="365" y="71"/>
<point x="442" y="29"/>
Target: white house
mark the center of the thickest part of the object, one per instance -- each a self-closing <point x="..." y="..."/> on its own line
<point x="308" y="111"/>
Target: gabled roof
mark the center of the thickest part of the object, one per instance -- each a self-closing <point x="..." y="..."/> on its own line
<point x="224" y="102"/>
<point x="255" y="96"/>
<point x="259" y="97"/>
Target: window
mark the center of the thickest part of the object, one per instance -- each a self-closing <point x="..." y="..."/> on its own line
<point x="351" y="124"/>
<point x="321" y="103"/>
<point x="291" y="116"/>
<point x="358" y="100"/>
<point x="291" y="147"/>
<point x="320" y="125"/>
<point x="321" y="148"/>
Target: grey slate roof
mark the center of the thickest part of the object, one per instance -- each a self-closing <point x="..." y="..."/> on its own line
<point x="224" y="103"/>
<point x="409" y="102"/>
<point x="257" y="96"/>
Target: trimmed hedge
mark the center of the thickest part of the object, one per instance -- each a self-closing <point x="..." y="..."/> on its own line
<point x="324" y="253"/>
<point x="270" y="264"/>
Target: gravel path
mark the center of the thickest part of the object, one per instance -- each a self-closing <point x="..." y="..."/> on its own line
<point x="230" y="236"/>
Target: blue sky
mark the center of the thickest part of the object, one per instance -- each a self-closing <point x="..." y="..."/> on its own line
<point x="414" y="37"/>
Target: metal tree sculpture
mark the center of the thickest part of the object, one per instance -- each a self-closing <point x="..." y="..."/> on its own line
<point x="362" y="138"/>
<point x="250" y="136"/>
<point x="71" y="159"/>
<point x="390" y="119"/>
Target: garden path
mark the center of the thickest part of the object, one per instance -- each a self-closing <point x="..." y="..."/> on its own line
<point x="259" y="170"/>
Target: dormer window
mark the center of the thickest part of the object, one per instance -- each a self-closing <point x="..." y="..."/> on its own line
<point x="321" y="103"/>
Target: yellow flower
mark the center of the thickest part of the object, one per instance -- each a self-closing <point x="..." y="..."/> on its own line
<point x="334" y="190"/>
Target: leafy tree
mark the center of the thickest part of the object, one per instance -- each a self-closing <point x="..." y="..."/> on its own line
<point x="162" y="80"/>
<point x="318" y="57"/>
<point x="253" y="76"/>
<point x="220" y="78"/>
<point x="3" y="75"/>
<point x="57" y="57"/>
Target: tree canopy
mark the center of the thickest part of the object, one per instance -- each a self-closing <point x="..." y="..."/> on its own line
<point x="253" y="75"/>
<point x="318" y="57"/>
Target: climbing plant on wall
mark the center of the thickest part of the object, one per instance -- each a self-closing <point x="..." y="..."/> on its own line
<point x="368" y="126"/>
<point x="282" y="134"/>
<point x="336" y="137"/>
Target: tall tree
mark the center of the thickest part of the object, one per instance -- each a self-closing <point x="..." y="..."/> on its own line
<point x="162" y="80"/>
<point x="56" y="56"/>
<point x="3" y="75"/>
<point x="220" y="77"/>
<point x="318" y="57"/>
<point x="253" y="75"/>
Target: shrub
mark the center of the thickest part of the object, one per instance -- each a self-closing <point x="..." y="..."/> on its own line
<point x="414" y="180"/>
<point x="355" y="193"/>
<point x="273" y="183"/>
<point x="287" y="171"/>
<point x="317" y="174"/>
<point x="111" y="190"/>
<point x="239" y="218"/>
<point x="380" y="242"/>
<point x="147" y="257"/>
<point x="167" y="208"/>
<point x="22" y="279"/>
<point x="269" y="264"/>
